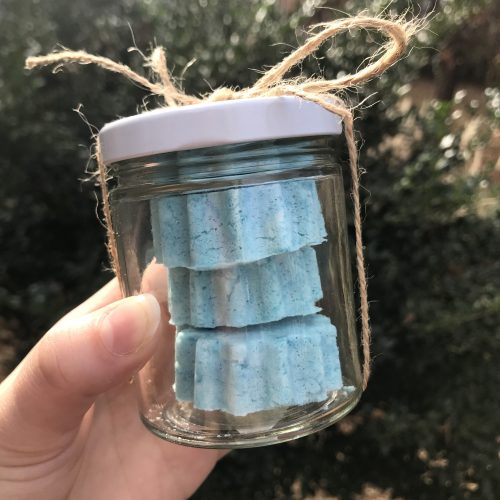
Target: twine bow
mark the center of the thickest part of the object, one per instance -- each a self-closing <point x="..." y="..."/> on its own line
<point x="272" y="83"/>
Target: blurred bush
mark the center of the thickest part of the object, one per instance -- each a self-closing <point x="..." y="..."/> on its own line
<point x="427" y="425"/>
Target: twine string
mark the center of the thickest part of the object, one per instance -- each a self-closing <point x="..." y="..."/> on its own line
<point x="398" y="33"/>
<point x="272" y="83"/>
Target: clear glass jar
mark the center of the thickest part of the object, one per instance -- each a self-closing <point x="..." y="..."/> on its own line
<point x="244" y="245"/>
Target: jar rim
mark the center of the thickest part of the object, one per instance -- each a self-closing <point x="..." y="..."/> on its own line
<point x="215" y="124"/>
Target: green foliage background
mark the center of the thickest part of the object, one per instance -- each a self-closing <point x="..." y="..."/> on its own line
<point x="428" y="425"/>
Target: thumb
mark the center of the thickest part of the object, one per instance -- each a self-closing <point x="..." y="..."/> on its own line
<point x="44" y="400"/>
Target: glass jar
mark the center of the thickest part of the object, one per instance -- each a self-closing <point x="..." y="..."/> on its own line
<point x="233" y="215"/>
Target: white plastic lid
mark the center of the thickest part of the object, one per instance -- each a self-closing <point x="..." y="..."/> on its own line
<point x="215" y="124"/>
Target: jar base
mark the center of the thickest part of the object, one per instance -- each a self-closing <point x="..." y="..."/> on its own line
<point x="185" y="425"/>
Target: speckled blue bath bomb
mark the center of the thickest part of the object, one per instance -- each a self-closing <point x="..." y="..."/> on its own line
<point x="294" y="361"/>
<point x="246" y="294"/>
<point x="214" y="229"/>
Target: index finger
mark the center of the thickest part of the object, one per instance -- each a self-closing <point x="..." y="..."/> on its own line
<point x="108" y="294"/>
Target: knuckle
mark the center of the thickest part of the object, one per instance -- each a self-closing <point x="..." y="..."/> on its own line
<point x="52" y="370"/>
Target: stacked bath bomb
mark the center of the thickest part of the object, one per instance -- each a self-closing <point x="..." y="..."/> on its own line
<point x="243" y="281"/>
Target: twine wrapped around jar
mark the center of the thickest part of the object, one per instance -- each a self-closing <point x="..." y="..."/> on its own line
<point x="272" y="83"/>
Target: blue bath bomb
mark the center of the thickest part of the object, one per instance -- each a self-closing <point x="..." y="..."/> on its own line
<point x="214" y="229"/>
<point x="294" y="361"/>
<point x="246" y="294"/>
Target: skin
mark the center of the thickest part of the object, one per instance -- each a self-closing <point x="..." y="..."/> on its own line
<point x="69" y="426"/>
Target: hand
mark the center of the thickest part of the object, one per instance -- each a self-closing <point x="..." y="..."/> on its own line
<point x="69" y="426"/>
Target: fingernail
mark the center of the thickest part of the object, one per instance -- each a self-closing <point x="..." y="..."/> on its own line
<point x="127" y="327"/>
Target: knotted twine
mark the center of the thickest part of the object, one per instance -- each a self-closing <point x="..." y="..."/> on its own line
<point x="271" y="84"/>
